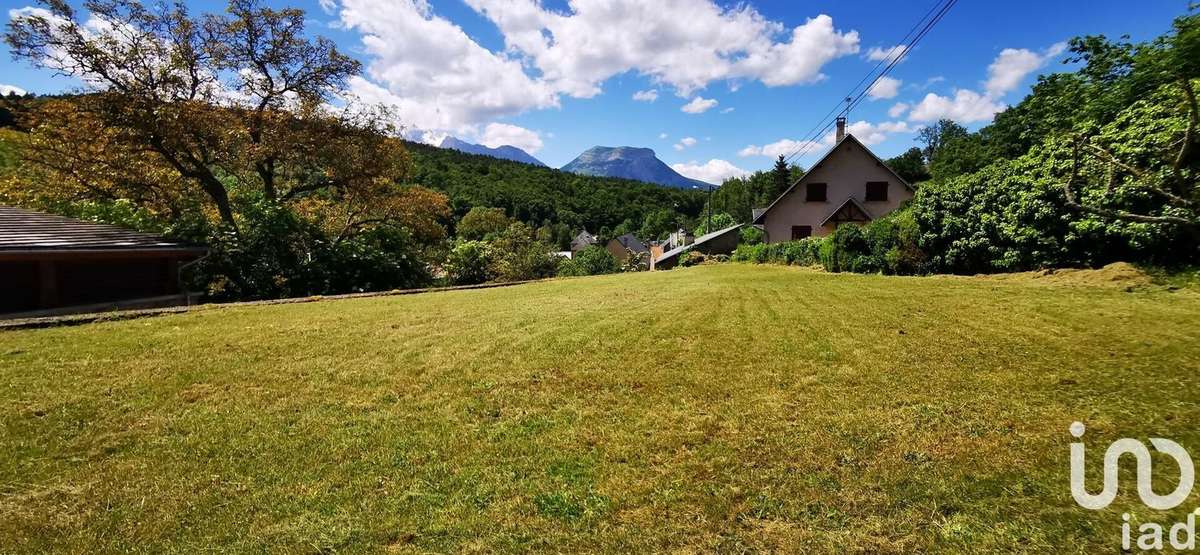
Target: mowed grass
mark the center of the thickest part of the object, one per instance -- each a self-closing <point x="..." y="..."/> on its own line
<point x="725" y="408"/>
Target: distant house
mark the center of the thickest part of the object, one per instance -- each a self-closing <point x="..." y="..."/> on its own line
<point x="620" y="247"/>
<point x="582" y="241"/>
<point x="723" y="241"/>
<point x="51" y="264"/>
<point x="849" y="185"/>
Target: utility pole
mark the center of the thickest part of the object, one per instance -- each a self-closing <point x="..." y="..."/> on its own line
<point x="708" y="228"/>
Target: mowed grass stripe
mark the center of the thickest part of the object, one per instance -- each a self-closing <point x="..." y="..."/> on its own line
<point x="714" y="408"/>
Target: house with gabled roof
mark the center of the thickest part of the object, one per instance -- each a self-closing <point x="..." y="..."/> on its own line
<point x="622" y="246"/>
<point x="849" y="185"/>
<point x="582" y="241"/>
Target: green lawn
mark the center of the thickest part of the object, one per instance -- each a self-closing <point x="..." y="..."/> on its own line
<point x="726" y="408"/>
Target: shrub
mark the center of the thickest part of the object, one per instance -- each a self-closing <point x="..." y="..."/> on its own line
<point x="517" y="256"/>
<point x="469" y="262"/>
<point x="751" y="235"/>
<point x="590" y="261"/>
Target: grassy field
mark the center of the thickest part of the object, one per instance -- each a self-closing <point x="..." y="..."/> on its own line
<point x="724" y="408"/>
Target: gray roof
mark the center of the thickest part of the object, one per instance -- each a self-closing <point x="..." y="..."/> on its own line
<point x="631" y="242"/>
<point x="25" y="230"/>
<point x="699" y="241"/>
<point x="582" y="240"/>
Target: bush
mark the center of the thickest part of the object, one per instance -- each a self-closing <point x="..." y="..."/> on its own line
<point x="590" y="261"/>
<point x="692" y="258"/>
<point x="804" y="252"/>
<point x="517" y="256"/>
<point x="469" y="263"/>
<point x="278" y="254"/>
<point x="751" y="235"/>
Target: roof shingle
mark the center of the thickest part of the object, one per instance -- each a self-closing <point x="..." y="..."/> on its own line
<point x="25" y="230"/>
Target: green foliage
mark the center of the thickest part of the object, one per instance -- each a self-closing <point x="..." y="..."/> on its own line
<point x="750" y="235"/>
<point x="469" y="263"/>
<point x="935" y="136"/>
<point x="635" y="261"/>
<point x="517" y="256"/>
<point x="481" y="222"/>
<point x="720" y="220"/>
<point x="276" y="253"/>
<point x="803" y="252"/>
<point x="739" y="196"/>
<point x="659" y="224"/>
<point x="910" y="166"/>
<point x="537" y="195"/>
<point x="590" y="261"/>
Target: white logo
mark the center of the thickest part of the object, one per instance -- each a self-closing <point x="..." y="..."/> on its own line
<point x="1187" y="472"/>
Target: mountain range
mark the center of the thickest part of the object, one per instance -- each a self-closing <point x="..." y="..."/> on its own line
<point x="630" y="163"/>
<point x="625" y="162"/>
<point x="504" y="152"/>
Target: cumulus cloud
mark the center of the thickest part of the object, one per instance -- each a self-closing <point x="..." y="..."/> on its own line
<point x="871" y="133"/>
<point x="685" y="44"/>
<point x="437" y="77"/>
<point x="685" y="143"/>
<point x="714" y="171"/>
<point x="965" y="107"/>
<point x="6" y="90"/>
<point x="699" y="105"/>
<point x="500" y="134"/>
<point x="1005" y="74"/>
<point x="1013" y="64"/>
<point x="432" y="74"/>
<point x="897" y="110"/>
<point x="646" y="96"/>
<point x="868" y="133"/>
<point x="884" y="88"/>
<point x="887" y="55"/>
<point x="783" y="147"/>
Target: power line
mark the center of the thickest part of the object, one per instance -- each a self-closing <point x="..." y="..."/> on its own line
<point x="925" y="24"/>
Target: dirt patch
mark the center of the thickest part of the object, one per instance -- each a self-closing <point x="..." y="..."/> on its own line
<point x="1117" y="274"/>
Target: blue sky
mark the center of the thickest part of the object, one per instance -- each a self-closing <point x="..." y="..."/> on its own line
<point x="556" y="78"/>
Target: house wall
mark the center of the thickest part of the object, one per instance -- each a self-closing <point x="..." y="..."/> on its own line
<point x="51" y="283"/>
<point x="617" y="250"/>
<point x="847" y="171"/>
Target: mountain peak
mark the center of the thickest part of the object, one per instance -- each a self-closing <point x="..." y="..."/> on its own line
<point x="629" y="162"/>
<point x="504" y="152"/>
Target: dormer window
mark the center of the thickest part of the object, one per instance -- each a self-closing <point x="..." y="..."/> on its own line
<point x="877" y="191"/>
<point x="815" y="192"/>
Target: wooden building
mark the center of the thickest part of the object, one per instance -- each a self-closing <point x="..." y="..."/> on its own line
<point x="52" y="264"/>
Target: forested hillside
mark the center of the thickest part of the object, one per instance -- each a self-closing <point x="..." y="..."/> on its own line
<point x="538" y="196"/>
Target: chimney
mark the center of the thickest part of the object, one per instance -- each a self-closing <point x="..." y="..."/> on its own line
<point x="841" y="128"/>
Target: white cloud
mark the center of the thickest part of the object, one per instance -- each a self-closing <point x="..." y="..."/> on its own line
<point x="646" y="96"/>
<point x="783" y="146"/>
<point x="897" y="110"/>
<point x="5" y="90"/>
<point x="328" y="6"/>
<point x="868" y="133"/>
<point x="887" y="55"/>
<point x="685" y="44"/>
<point x="884" y="87"/>
<point x="662" y="135"/>
<point x="727" y="110"/>
<point x="699" y="105"/>
<point x="966" y="107"/>
<point x="685" y="143"/>
<point x="436" y="77"/>
<point x="433" y="75"/>
<point x="871" y="133"/>
<point x="1013" y="64"/>
<point x="714" y="171"/>
<point x="500" y="134"/>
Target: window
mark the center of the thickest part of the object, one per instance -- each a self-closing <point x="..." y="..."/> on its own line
<point x="877" y="191"/>
<point x="815" y="192"/>
<point x="801" y="231"/>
